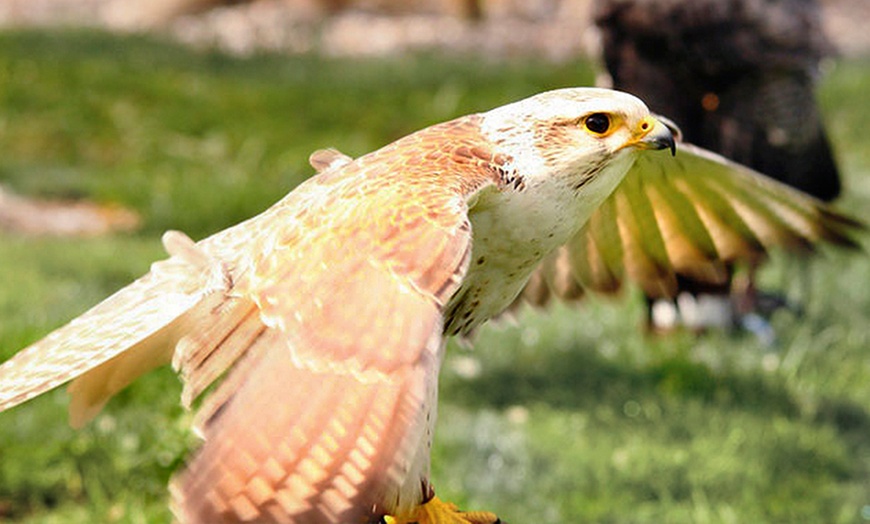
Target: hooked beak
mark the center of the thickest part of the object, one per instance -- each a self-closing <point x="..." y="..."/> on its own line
<point x="655" y="134"/>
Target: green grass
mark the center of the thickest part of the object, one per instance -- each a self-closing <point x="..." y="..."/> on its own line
<point x="573" y="415"/>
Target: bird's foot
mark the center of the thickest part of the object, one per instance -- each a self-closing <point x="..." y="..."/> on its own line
<point x="437" y="511"/>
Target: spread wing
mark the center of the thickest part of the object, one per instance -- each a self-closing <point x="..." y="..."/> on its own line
<point x="323" y="318"/>
<point x="687" y="215"/>
<point x="135" y="330"/>
<point x="140" y="321"/>
<point x="327" y="417"/>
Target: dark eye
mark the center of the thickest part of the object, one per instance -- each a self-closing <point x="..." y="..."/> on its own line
<point x="597" y="123"/>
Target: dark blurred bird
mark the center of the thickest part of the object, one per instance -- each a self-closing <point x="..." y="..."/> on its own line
<point x="738" y="77"/>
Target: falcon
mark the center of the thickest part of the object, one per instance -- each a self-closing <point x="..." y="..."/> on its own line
<point x="324" y="318"/>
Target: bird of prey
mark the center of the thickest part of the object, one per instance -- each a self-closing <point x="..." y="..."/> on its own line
<point x="325" y="317"/>
<point x="737" y="77"/>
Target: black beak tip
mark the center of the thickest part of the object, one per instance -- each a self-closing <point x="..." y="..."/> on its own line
<point x="666" y="142"/>
<point x="668" y="137"/>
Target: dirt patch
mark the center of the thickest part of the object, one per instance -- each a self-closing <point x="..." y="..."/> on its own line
<point x="552" y="29"/>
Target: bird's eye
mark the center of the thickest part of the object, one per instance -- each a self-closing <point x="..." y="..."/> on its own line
<point x="598" y="123"/>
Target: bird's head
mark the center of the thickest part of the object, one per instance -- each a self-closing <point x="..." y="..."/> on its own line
<point x="575" y="135"/>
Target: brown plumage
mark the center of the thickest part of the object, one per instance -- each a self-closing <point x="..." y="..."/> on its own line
<point x="737" y="76"/>
<point x="325" y="317"/>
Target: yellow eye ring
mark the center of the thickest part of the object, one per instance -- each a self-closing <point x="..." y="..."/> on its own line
<point x="597" y="123"/>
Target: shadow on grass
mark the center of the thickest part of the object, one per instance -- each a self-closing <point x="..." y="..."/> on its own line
<point x="580" y="377"/>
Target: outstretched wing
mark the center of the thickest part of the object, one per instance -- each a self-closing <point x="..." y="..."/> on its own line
<point x="687" y="215"/>
<point x="326" y="310"/>
<point x="141" y="321"/>
<point x="137" y="329"/>
<point x="327" y="416"/>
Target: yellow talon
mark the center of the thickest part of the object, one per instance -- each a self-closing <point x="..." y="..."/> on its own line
<point x="436" y="511"/>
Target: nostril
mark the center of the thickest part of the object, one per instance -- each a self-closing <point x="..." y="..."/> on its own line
<point x="644" y="126"/>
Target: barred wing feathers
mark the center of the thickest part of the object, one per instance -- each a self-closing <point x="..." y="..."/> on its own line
<point x="687" y="215"/>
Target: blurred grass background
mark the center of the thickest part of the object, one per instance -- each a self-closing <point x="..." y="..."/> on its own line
<point x="572" y="415"/>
